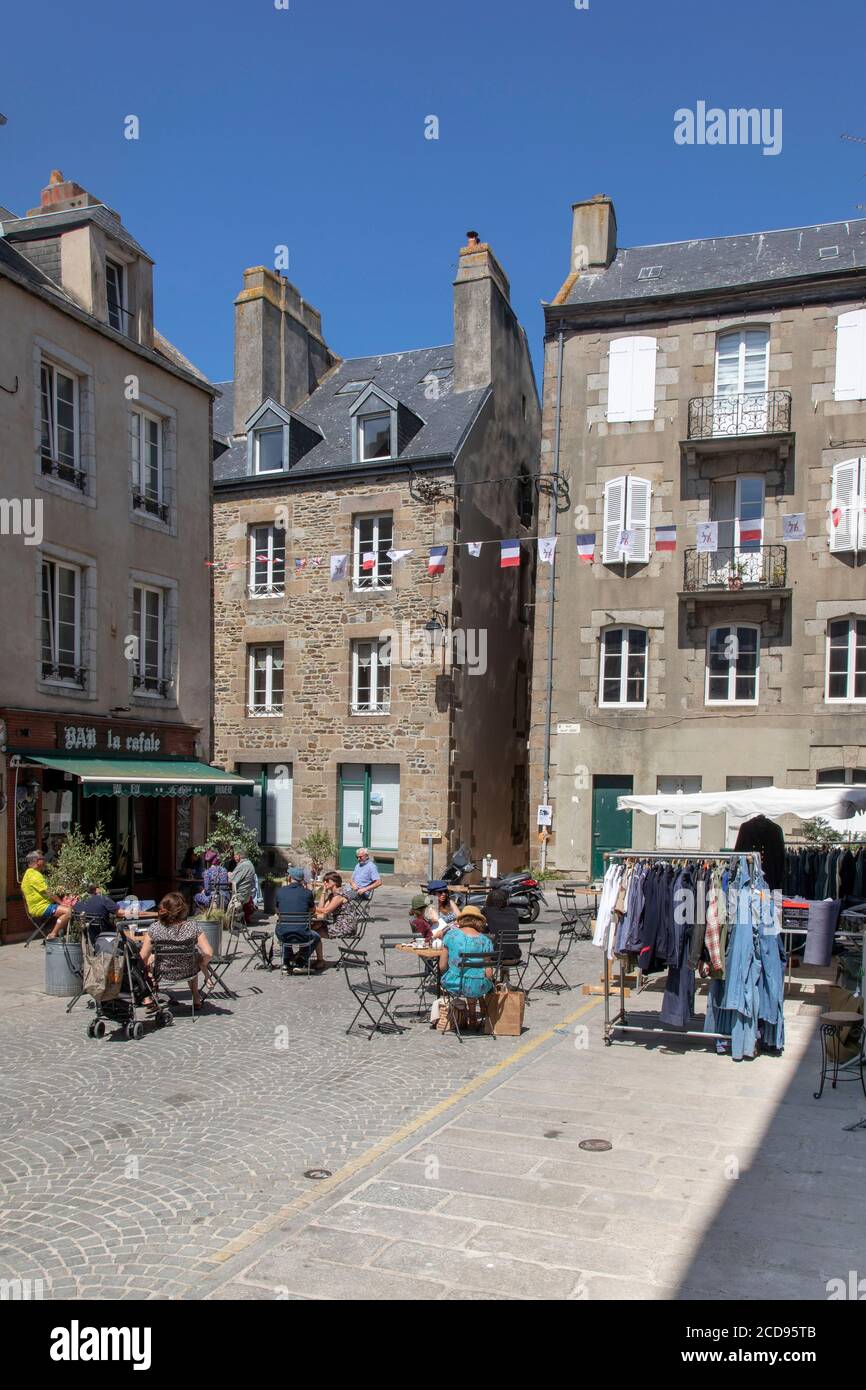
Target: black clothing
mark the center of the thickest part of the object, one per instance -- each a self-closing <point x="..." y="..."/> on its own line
<point x="294" y="900"/>
<point x="503" y="925"/>
<point x="766" y="836"/>
<point x="100" y="911"/>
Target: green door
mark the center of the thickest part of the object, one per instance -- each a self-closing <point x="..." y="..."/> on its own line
<point x="369" y="813"/>
<point x="611" y="828"/>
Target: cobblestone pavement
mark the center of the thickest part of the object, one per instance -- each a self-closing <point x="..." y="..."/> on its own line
<point x="131" y="1169"/>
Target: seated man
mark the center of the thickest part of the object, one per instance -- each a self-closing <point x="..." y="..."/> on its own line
<point x="365" y="875"/>
<point x="243" y="881"/>
<point x="43" y="907"/>
<point x="99" y="909"/>
<point x="294" y="899"/>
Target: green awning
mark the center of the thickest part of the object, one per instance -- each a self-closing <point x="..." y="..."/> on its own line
<point x="149" y="777"/>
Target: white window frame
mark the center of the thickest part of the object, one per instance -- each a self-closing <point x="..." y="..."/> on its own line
<point x="271" y="588"/>
<point x="140" y="677"/>
<point x="77" y="570"/>
<point x="377" y="663"/>
<point x="733" y="628"/>
<point x="855" y="521"/>
<point x="138" y="434"/>
<point x="120" y="268"/>
<point x="374" y="578"/>
<point x="851" y="670"/>
<point x="740" y="333"/>
<point x="268" y="710"/>
<point x="622" y="703"/>
<point x="52" y="368"/>
<point x="257" y="440"/>
<point x="633" y="487"/>
<point x="361" y="419"/>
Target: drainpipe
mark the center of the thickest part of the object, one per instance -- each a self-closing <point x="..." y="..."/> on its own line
<point x="550" y="607"/>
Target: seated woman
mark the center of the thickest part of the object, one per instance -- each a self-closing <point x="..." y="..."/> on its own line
<point x="466" y="938"/>
<point x="216" y="889"/>
<point x="172" y="924"/>
<point x="337" y="910"/>
<point x="503" y="924"/>
<point x="441" y="910"/>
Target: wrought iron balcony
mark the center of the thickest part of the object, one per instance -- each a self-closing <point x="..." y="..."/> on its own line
<point x="66" y="672"/>
<point x="142" y="503"/>
<point x="150" y="685"/>
<point x="731" y="417"/>
<point x="732" y="570"/>
<point x="64" y="472"/>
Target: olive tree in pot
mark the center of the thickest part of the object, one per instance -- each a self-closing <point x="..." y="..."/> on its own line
<point x="319" y="847"/>
<point x="82" y="860"/>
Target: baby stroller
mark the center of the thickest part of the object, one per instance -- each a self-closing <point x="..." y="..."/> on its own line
<point x="117" y="981"/>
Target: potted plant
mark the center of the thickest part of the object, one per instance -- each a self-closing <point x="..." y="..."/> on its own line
<point x="736" y="574"/>
<point x="228" y="833"/>
<point x="81" y="861"/>
<point x="269" y="885"/>
<point x="319" y="847"/>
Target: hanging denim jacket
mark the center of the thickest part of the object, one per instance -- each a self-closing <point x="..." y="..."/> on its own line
<point x="733" y="1004"/>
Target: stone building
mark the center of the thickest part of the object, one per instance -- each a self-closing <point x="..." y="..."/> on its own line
<point x="712" y="381"/>
<point x="105" y="440"/>
<point x="381" y="702"/>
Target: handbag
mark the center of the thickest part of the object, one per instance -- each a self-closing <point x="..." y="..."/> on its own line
<point x="103" y="970"/>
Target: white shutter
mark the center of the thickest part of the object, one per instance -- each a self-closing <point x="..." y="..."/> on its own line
<point x="846" y="490"/>
<point x="639" y="499"/>
<point x="614" y="518"/>
<point x="631" y="379"/>
<point x="851" y="356"/>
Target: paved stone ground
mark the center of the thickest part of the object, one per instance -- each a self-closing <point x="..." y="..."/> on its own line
<point x="129" y="1169"/>
<point x="457" y="1169"/>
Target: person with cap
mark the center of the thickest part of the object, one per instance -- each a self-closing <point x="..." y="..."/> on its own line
<point x="215" y="889"/>
<point x="442" y="910"/>
<point x="418" y="917"/>
<point x="466" y="937"/>
<point x="295" y="899"/>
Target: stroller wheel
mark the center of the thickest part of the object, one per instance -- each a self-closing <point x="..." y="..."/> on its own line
<point x="167" y="1018"/>
<point x="90" y="1031"/>
<point x="98" y="1027"/>
<point x="136" y="1031"/>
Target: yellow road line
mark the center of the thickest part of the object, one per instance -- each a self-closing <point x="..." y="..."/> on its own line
<point x="356" y="1165"/>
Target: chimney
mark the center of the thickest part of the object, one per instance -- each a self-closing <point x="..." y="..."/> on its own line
<point x="482" y="299"/>
<point x="279" y="348"/>
<point x="593" y="234"/>
<point x="62" y="194"/>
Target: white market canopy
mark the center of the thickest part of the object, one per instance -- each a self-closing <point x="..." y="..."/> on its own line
<point x="837" y="803"/>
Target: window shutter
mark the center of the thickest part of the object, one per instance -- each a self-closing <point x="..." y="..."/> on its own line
<point x="846" y="489"/>
<point x="631" y="379"/>
<point x="614" y="518"/>
<point x="851" y="356"/>
<point x="860" y="503"/>
<point x="638" y="513"/>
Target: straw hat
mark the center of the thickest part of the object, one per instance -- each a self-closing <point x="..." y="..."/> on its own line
<point x="472" y="914"/>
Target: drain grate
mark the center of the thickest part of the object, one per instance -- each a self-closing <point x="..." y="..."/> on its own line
<point x="595" y="1146"/>
<point x="316" y="1174"/>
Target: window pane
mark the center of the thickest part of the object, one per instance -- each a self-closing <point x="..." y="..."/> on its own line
<point x="269" y="451"/>
<point x="151" y="458"/>
<point x="65" y="418"/>
<point x="48" y="649"/>
<point x="46" y="385"/>
<point x="376" y="437"/>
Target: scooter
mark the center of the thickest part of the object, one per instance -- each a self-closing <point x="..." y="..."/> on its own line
<point x="524" y="893"/>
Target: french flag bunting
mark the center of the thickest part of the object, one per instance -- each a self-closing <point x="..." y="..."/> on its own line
<point x="368" y="561"/>
<point x="509" y="554"/>
<point x="666" y="538"/>
<point x="436" y="562"/>
<point x="586" y="546"/>
<point x="750" y="534"/>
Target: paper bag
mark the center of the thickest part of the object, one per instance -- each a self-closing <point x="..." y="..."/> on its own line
<point x="504" y="1009"/>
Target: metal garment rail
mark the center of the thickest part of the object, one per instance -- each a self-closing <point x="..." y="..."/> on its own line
<point x="620" y="1023"/>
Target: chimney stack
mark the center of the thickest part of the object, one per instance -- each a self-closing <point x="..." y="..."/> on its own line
<point x="482" y="299"/>
<point x="593" y="234"/>
<point x="279" y="348"/>
<point x="60" y="194"/>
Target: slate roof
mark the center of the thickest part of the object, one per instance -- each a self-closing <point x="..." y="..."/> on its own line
<point x="695" y="267"/>
<point x="15" y="261"/>
<point x="45" y="223"/>
<point x="401" y="374"/>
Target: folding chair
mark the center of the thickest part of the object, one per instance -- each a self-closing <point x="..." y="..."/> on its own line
<point x="214" y="979"/>
<point x="550" y="959"/>
<point x="368" y="991"/>
<point x="459" y="999"/>
<point x="172" y="950"/>
<point x="39" y="929"/>
<point x="362" y="919"/>
<point x="292" y="930"/>
<point x="404" y="978"/>
<point x="525" y="943"/>
<point x="261" y="944"/>
<point x="572" y="915"/>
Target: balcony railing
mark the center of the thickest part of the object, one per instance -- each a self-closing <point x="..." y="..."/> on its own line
<point x="142" y="503"/>
<point x="754" y="412"/>
<point x="150" y="685"/>
<point x="732" y="569"/>
<point x="66" y="672"/>
<point x="64" y="472"/>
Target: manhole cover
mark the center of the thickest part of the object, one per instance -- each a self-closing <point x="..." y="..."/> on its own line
<point x="317" y="1173"/>
<point x="595" y="1146"/>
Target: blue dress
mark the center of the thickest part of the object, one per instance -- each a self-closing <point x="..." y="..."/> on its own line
<point x="472" y="982"/>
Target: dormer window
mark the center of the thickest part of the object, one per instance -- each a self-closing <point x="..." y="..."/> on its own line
<point x="115" y="280"/>
<point x="268" y="450"/>
<point x="381" y="426"/>
<point x="277" y="439"/>
<point x="374" y="437"/>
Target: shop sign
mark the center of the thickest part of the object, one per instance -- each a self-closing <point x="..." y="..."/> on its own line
<point x="87" y="738"/>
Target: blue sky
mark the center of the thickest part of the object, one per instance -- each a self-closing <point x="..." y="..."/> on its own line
<point x="305" y="127"/>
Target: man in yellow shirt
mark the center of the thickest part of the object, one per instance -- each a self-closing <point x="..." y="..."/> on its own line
<point x="43" y="907"/>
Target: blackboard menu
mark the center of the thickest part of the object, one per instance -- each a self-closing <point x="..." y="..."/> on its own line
<point x="25" y="826"/>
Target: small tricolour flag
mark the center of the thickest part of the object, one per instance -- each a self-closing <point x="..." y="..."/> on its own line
<point x="300" y="564"/>
<point x="666" y="538"/>
<point x="436" y="562"/>
<point x="509" y="554"/>
<point x="368" y="561"/>
<point x="750" y="535"/>
<point x="585" y="546"/>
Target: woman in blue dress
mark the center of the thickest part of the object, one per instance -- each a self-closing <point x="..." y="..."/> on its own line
<point x="466" y="937"/>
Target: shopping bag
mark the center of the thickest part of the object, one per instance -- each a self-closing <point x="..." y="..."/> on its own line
<point x="504" y="1009"/>
<point x="103" y="972"/>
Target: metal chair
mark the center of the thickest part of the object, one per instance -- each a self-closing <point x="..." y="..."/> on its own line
<point x="459" y="999"/>
<point x="414" y="976"/>
<point x="180" y="951"/>
<point x="261" y="944"/>
<point x="362" y="918"/>
<point x="550" y="959"/>
<point x="217" y="966"/>
<point x="572" y="914"/>
<point x="525" y="943"/>
<point x="292" y="930"/>
<point x="369" y="993"/>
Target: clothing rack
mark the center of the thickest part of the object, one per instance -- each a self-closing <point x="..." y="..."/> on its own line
<point x="620" y="1022"/>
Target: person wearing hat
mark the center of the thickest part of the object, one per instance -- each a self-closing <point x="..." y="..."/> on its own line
<point x="418" y="917"/>
<point x="441" y="911"/>
<point x="466" y="937"/>
<point x="215" y="889"/>
<point x="294" y="899"/>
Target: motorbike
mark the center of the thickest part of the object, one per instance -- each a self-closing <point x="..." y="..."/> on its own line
<point x="524" y="892"/>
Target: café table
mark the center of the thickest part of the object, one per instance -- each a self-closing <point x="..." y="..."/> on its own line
<point x="430" y="956"/>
